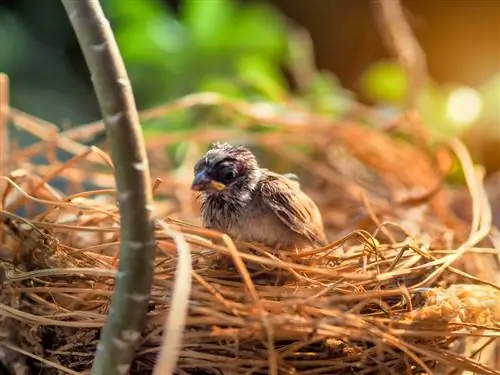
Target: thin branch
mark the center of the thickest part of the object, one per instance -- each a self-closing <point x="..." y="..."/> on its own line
<point x="399" y="37"/>
<point x="175" y="320"/>
<point x="45" y="130"/>
<point x="127" y="312"/>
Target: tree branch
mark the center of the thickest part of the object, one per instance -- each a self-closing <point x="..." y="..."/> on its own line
<point x="127" y="312"/>
<point x="399" y="37"/>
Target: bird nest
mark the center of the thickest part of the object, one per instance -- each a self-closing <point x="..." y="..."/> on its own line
<point x="407" y="284"/>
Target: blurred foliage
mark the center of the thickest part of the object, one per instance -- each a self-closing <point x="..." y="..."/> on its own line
<point x="213" y="45"/>
<point x="43" y="82"/>
<point x="385" y="84"/>
<point x="235" y="50"/>
<point x="218" y="46"/>
<point x="490" y="92"/>
<point x="238" y="50"/>
<point x="385" y="81"/>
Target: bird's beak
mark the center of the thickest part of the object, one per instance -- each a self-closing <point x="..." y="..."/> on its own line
<point x="203" y="182"/>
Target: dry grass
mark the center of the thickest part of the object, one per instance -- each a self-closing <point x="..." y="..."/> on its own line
<point x="406" y="286"/>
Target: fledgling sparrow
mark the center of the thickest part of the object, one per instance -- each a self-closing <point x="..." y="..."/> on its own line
<point x="253" y="204"/>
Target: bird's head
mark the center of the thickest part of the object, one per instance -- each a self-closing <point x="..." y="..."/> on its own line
<point x="226" y="170"/>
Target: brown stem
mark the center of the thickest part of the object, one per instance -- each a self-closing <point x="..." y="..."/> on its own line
<point x="127" y="312"/>
<point x="399" y="36"/>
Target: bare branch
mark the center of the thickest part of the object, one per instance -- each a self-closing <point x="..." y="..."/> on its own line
<point x="399" y="37"/>
<point x="175" y="320"/>
<point x="134" y="278"/>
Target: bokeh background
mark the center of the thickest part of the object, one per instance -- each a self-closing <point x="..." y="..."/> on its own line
<point x="328" y="52"/>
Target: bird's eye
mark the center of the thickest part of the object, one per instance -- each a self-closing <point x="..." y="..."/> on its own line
<point x="229" y="175"/>
<point x="226" y="175"/>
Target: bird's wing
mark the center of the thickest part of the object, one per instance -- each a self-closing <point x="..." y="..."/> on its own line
<point x="294" y="208"/>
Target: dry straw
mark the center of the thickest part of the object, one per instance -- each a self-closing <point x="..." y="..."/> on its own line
<point x="398" y="291"/>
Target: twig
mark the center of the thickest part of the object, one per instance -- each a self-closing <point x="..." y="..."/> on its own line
<point x="481" y="223"/>
<point x="122" y="330"/>
<point x="40" y="359"/>
<point x="45" y="130"/>
<point x="176" y="320"/>
<point x="400" y="39"/>
<point x="266" y="326"/>
<point x="258" y="112"/>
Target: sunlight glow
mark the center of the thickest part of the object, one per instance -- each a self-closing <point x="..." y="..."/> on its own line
<point x="464" y="106"/>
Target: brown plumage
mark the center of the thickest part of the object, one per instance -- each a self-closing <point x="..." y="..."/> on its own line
<point x="254" y="204"/>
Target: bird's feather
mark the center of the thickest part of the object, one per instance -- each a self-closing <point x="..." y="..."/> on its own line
<point x="294" y="208"/>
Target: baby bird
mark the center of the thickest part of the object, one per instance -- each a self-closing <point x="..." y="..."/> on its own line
<point x="253" y="204"/>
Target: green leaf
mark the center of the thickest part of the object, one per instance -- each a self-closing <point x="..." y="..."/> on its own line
<point x="327" y="96"/>
<point x="147" y="32"/>
<point x="208" y="22"/>
<point x="259" y="29"/>
<point x="385" y="82"/>
<point x="221" y="85"/>
<point x="263" y="76"/>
